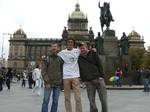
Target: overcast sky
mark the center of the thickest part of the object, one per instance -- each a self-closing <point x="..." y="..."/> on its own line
<point x="47" y="18"/>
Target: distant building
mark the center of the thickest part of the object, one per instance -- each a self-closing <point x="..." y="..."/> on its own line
<point x="26" y="52"/>
<point x="136" y="41"/>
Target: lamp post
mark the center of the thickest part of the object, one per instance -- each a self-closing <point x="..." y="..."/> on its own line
<point x="3" y="44"/>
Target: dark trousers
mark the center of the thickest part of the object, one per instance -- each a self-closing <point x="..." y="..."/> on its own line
<point x="1" y="85"/>
<point x="99" y="86"/>
<point x="8" y="83"/>
<point x="30" y="84"/>
<point x="23" y="83"/>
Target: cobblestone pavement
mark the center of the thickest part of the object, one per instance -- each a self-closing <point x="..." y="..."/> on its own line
<point x="20" y="99"/>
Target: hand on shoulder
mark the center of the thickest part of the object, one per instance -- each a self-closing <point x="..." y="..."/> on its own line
<point x="94" y="50"/>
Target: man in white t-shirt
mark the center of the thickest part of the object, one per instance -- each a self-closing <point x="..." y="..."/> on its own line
<point x="71" y="75"/>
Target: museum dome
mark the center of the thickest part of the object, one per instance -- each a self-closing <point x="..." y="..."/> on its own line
<point x="134" y="34"/>
<point x="19" y="32"/>
<point x="77" y="14"/>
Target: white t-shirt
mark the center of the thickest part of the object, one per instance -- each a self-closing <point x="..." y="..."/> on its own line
<point x="36" y="74"/>
<point x="70" y="67"/>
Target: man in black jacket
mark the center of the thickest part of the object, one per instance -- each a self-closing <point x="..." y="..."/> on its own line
<point x="91" y="72"/>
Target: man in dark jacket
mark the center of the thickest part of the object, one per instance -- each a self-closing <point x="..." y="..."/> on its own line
<point x="8" y="77"/>
<point x="52" y="76"/>
<point x="91" y="72"/>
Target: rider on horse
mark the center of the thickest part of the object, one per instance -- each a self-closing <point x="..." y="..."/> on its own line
<point x="106" y="16"/>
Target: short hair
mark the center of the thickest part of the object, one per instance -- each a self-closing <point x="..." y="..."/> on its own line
<point x="70" y="38"/>
<point x="83" y="44"/>
<point x="53" y="43"/>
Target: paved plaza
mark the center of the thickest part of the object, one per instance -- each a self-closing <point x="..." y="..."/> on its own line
<point x="20" y="99"/>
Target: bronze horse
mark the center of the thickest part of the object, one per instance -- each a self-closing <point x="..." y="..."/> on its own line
<point x="106" y="16"/>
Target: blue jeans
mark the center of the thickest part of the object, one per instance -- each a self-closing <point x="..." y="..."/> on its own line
<point x="119" y="81"/>
<point x="146" y="85"/>
<point x="55" y="97"/>
<point x="37" y="87"/>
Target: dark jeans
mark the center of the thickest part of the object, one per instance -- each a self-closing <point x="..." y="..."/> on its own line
<point x="99" y="86"/>
<point x="23" y="83"/>
<point x="30" y="84"/>
<point x="55" y="97"/>
<point x="1" y="85"/>
<point x="8" y="83"/>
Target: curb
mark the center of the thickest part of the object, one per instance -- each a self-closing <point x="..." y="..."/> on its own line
<point x="125" y="88"/>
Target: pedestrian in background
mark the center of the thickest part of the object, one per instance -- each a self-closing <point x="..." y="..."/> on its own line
<point x="146" y="75"/>
<point x="38" y="80"/>
<point x="24" y="76"/>
<point x="30" y="80"/>
<point x="118" y="73"/>
<point x="1" y="80"/>
<point x="8" y="77"/>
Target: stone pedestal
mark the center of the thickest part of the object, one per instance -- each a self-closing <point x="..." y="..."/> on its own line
<point x="109" y="33"/>
<point x="111" y="52"/>
<point x="110" y="43"/>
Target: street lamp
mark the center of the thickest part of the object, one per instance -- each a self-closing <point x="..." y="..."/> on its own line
<point x="3" y="43"/>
